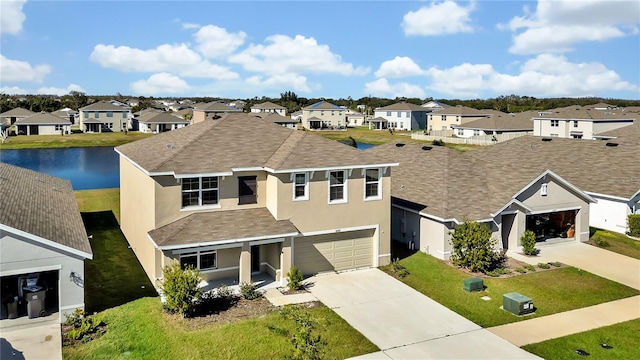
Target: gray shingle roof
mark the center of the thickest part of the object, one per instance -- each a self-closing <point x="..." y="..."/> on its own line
<point x="267" y="105"/>
<point x="476" y="183"/>
<point x="323" y="105"/>
<point x="213" y="226"/>
<point x="275" y="118"/>
<point x="402" y="106"/>
<point x="18" y="112"/>
<point x="578" y="112"/>
<point x="161" y="118"/>
<point x="239" y="141"/>
<point x="42" y="205"/>
<point x="501" y="121"/>
<point x="104" y="106"/>
<point x="42" y="119"/>
<point x="216" y="107"/>
<point x="460" y="110"/>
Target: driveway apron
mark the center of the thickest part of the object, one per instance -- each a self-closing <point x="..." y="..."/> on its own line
<point x="404" y="323"/>
<point x="40" y="340"/>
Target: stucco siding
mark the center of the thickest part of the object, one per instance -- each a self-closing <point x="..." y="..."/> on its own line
<point x="434" y="238"/>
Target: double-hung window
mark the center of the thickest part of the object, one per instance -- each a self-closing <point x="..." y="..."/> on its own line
<point x="372" y="184"/>
<point x="199" y="191"/>
<point x="575" y="123"/>
<point x="109" y="113"/>
<point x="337" y="187"/>
<point x="202" y="260"/>
<point x="301" y="186"/>
<point x="555" y="123"/>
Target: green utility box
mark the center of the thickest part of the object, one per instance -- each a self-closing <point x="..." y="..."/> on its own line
<point x="473" y="284"/>
<point x="517" y="304"/>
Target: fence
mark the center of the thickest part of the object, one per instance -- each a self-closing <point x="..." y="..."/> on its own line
<point x="482" y="140"/>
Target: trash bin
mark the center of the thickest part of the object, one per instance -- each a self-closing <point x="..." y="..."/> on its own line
<point x="12" y="308"/>
<point x="35" y="303"/>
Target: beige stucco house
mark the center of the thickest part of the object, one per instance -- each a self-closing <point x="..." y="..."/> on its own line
<point x="581" y="122"/>
<point x="8" y="118"/>
<point x="211" y="110"/>
<point x="446" y="118"/>
<point x="157" y="122"/>
<point x="105" y="116"/>
<point x="233" y="202"/>
<point x="322" y="115"/>
<point x="522" y="184"/>
<point x="42" y="124"/>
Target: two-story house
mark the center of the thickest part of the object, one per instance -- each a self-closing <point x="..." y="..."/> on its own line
<point x="269" y="107"/>
<point x="323" y="115"/>
<point x="579" y="122"/>
<point x="446" y="118"/>
<point x="10" y="117"/>
<point x="105" y="116"/>
<point x="403" y="116"/>
<point x="67" y="114"/>
<point x="233" y="202"/>
<point x="211" y="110"/>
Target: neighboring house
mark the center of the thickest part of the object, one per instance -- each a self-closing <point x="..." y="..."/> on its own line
<point x="435" y="105"/>
<point x="547" y="186"/>
<point x="403" y="116"/>
<point x="579" y="122"/>
<point x="278" y="119"/>
<point x="269" y="107"/>
<point x="446" y="118"/>
<point x="212" y="110"/>
<point x="160" y="122"/>
<point x="378" y="123"/>
<point x="297" y="116"/>
<point x="237" y="196"/>
<point x="43" y="242"/>
<point x="43" y="123"/>
<point x="497" y="123"/>
<point x="238" y="104"/>
<point x="627" y="134"/>
<point x="10" y="117"/>
<point x="105" y="116"/>
<point x="354" y="118"/>
<point x="322" y="115"/>
<point x="67" y="114"/>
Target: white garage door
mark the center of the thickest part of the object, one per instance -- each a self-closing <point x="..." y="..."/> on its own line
<point x="337" y="251"/>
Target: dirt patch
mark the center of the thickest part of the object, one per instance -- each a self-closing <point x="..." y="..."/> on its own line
<point x="241" y="310"/>
<point x="67" y="340"/>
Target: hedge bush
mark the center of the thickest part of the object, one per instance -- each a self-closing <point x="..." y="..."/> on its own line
<point x="634" y="225"/>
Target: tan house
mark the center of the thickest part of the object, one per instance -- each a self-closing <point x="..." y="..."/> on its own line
<point x="322" y="115"/>
<point x="581" y="122"/>
<point x="233" y="202"/>
<point x="446" y="118"/>
<point x="278" y="119"/>
<point x="105" y="116"/>
<point x="495" y="124"/>
<point x="10" y="117"/>
<point x="212" y="110"/>
<point x="153" y="122"/>
<point x="269" y="107"/>
<point x="547" y="186"/>
<point x="42" y="123"/>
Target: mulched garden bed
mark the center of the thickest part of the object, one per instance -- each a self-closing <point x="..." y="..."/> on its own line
<point x="511" y="264"/>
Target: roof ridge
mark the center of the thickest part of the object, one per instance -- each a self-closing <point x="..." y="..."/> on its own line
<point x="293" y="140"/>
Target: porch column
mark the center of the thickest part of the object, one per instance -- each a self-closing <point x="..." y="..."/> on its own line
<point x="245" y="263"/>
<point x="285" y="260"/>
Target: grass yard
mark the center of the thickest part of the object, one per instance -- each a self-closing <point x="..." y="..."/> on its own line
<point x="622" y="337"/>
<point x="72" y="140"/>
<point x="552" y="291"/>
<point x="618" y="243"/>
<point x="99" y="200"/>
<point x="141" y="330"/>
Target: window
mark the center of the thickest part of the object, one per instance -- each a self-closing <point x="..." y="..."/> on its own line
<point x="109" y="113"/>
<point x="337" y="183"/>
<point x="97" y="114"/>
<point x="575" y="123"/>
<point x="86" y="114"/>
<point x="388" y="113"/>
<point x="555" y="123"/>
<point x="199" y="191"/>
<point x="460" y="132"/>
<point x="247" y="190"/>
<point x="321" y="112"/>
<point x="401" y="125"/>
<point x="332" y="112"/>
<point x="543" y="189"/>
<point x="59" y="127"/>
<point x="577" y="136"/>
<point x="204" y="260"/>
<point x="399" y="113"/>
<point x="476" y="132"/>
<point x="372" y="184"/>
<point x="443" y="117"/>
<point x="407" y="114"/>
<point x="457" y="118"/>
<point x="301" y="187"/>
<point x="444" y="127"/>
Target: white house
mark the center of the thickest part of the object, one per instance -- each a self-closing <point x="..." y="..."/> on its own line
<point x="403" y="116"/>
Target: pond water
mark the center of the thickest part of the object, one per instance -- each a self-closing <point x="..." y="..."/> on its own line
<point x="359" y="145"/>
<point x="86" y="168"/>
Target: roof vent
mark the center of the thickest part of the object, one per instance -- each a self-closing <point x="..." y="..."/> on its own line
<point x="400" y="145"/>
<point x="546" y="139"/>
<point x="171" y="147"/>
<point x="427" y="148"/>
<point x="611" y="144"/>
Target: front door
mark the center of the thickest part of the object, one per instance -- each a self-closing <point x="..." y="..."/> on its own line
<point x="255" y="258"/>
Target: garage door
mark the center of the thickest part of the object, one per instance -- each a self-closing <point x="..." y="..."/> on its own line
<point x="337" y="251"/>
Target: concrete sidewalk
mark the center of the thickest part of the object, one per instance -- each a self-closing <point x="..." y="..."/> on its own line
<point x="607" y="264"/>
<point x="42" y="340"/>
<point x="570" y="322"/>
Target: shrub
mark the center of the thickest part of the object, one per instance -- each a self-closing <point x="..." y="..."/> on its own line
<point x="250" y="291"/>
<point x="438" y="142"/>
<point x="555" y="263"/>
<point x="83" y="326"/>
<point x="634" y="225"/>
<point x="601" y="242"/>
<point x="399" y="269"/>
<point x="528" y="241"/>
<point x="529" y="267"/>
<point x="223" y="292"/>
<point x="473" y="247"/>
<point x="521" y="270"/>
<point x="294" y="278"/>
<point x="75" y="318"/>
<point x="307" y="344"/>
<point x="180" y="288"/>
<point x="544" y="266"/>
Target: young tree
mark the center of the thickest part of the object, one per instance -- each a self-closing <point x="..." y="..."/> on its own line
<point x="180" y="288"/>
<point x="528" y="241"/>
<point x="474" y="247"/>
<point x="307" y="343"/>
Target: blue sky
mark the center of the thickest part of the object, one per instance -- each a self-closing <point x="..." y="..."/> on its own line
<point x="332" y="49"/>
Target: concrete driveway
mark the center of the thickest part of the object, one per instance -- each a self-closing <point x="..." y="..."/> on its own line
<point x="34" y="340"/>
<point x="613" y="266"/>
<point x="405" y="324"/>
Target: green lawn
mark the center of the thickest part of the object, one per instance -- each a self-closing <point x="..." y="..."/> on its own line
<point x="140" y="330"/>
<point x="618" y="243"/>
<point x="99" y="200"/>
<point x="72" y="140"/>
<point x="622" y="337"/>
<point x="552" y="291"/>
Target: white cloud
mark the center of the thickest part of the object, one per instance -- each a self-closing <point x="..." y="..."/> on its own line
<point x="51" y="90"/>
<point x="190" y="26"/>
<point x="178" y="59"/>
<point x="13" y="90"/>
<point x="295" y="82"/>
<point x="283" y="54"/>
<point x="161" y="83"/>
<point x="383" y="88"/>
<point x="438" y="19"/>
<point x="215" y="42"/>
<point x="546" y="75"/>
<point x="400" y="66"/>
<point x="16" y="70"/>
<point x="11" y="16"/>
<point x="557" y="25"/>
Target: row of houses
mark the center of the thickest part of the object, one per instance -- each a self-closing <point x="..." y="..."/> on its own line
<point x="236" y="203"/>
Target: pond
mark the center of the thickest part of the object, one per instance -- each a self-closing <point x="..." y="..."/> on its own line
<point x="360" y="145"/>
<point x="86" y="168"/>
